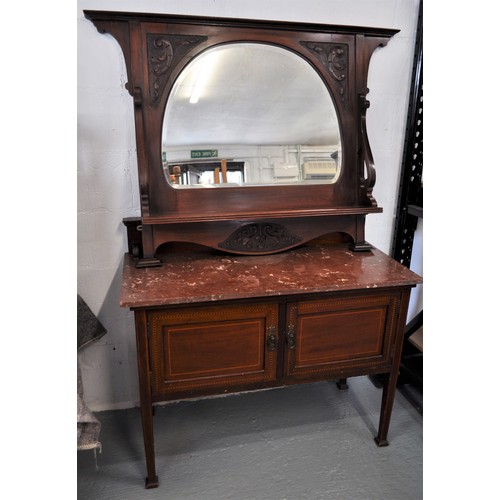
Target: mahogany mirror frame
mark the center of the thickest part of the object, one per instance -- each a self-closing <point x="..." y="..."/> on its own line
<point x="248" y="220"/>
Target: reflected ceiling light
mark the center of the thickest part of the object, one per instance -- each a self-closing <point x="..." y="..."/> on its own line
<point x="206" y="68"/>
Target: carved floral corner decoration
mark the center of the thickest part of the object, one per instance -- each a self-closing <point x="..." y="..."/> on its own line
<point x="334" y="57"/>
<point x="164" y="52"/>
<point x="260" y="238"/>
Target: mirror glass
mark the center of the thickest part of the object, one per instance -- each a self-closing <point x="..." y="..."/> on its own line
<point x="250" y="114"/>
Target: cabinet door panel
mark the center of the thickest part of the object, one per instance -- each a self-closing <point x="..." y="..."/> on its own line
<point x="338" y="334"/>
<point x="213" y="349"/>
<point x="357" y="333"/>
<point x="194" y="349"/>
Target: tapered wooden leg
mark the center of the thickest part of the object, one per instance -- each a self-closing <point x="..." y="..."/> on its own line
<point x="391" y="379"/>
<point x="388" y="394"/>
<point x="145" y="394"/>
<point x="342" y="384"/>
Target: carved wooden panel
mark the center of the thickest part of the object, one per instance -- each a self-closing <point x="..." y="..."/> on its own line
<point x="260" y="238"/>
<point x="335" y="58"/>
<point x="164" y="52"/>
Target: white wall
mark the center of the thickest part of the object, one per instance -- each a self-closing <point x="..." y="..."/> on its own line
<point x="107" y="168"/>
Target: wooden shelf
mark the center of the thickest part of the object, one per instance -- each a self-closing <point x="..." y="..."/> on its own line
<point x="417" y="339"/>
<point x="416" y="210"/>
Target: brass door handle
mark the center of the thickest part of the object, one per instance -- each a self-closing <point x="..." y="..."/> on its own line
<point x="271" y="338"/>
<point x="290" y="337"/>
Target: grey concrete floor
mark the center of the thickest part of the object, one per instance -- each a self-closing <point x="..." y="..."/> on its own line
<point x="309" y="442"/>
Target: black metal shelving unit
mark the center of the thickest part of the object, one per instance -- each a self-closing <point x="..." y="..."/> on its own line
<point x="410" y="206"/>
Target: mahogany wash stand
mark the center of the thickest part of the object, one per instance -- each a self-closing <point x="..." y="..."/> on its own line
<point x="255" y="287"/>
<point x="226" y="323"/>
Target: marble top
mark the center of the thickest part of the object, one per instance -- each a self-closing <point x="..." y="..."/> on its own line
<point x="206" y="276"/>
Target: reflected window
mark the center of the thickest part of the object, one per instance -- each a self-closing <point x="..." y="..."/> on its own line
<point x="207" y="173"/>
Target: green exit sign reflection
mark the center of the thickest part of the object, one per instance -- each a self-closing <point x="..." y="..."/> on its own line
<point x="204" y="153"/>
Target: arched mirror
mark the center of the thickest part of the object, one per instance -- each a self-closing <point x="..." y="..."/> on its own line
<point x="246" y="114"/>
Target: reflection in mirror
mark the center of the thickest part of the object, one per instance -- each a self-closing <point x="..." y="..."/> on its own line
<point x="250" y="114"/>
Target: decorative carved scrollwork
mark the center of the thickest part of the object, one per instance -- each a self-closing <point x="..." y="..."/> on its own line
<point x="164" y="51"/>
<point x="371" y="174"/>
<point x="260" y="238"/>
<point x="137" y="95"/>
<point x="334" y="57"/>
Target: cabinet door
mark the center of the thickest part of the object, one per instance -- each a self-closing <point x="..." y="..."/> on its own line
<point x="212" y="349"/>
<point x="341" y="336"/>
